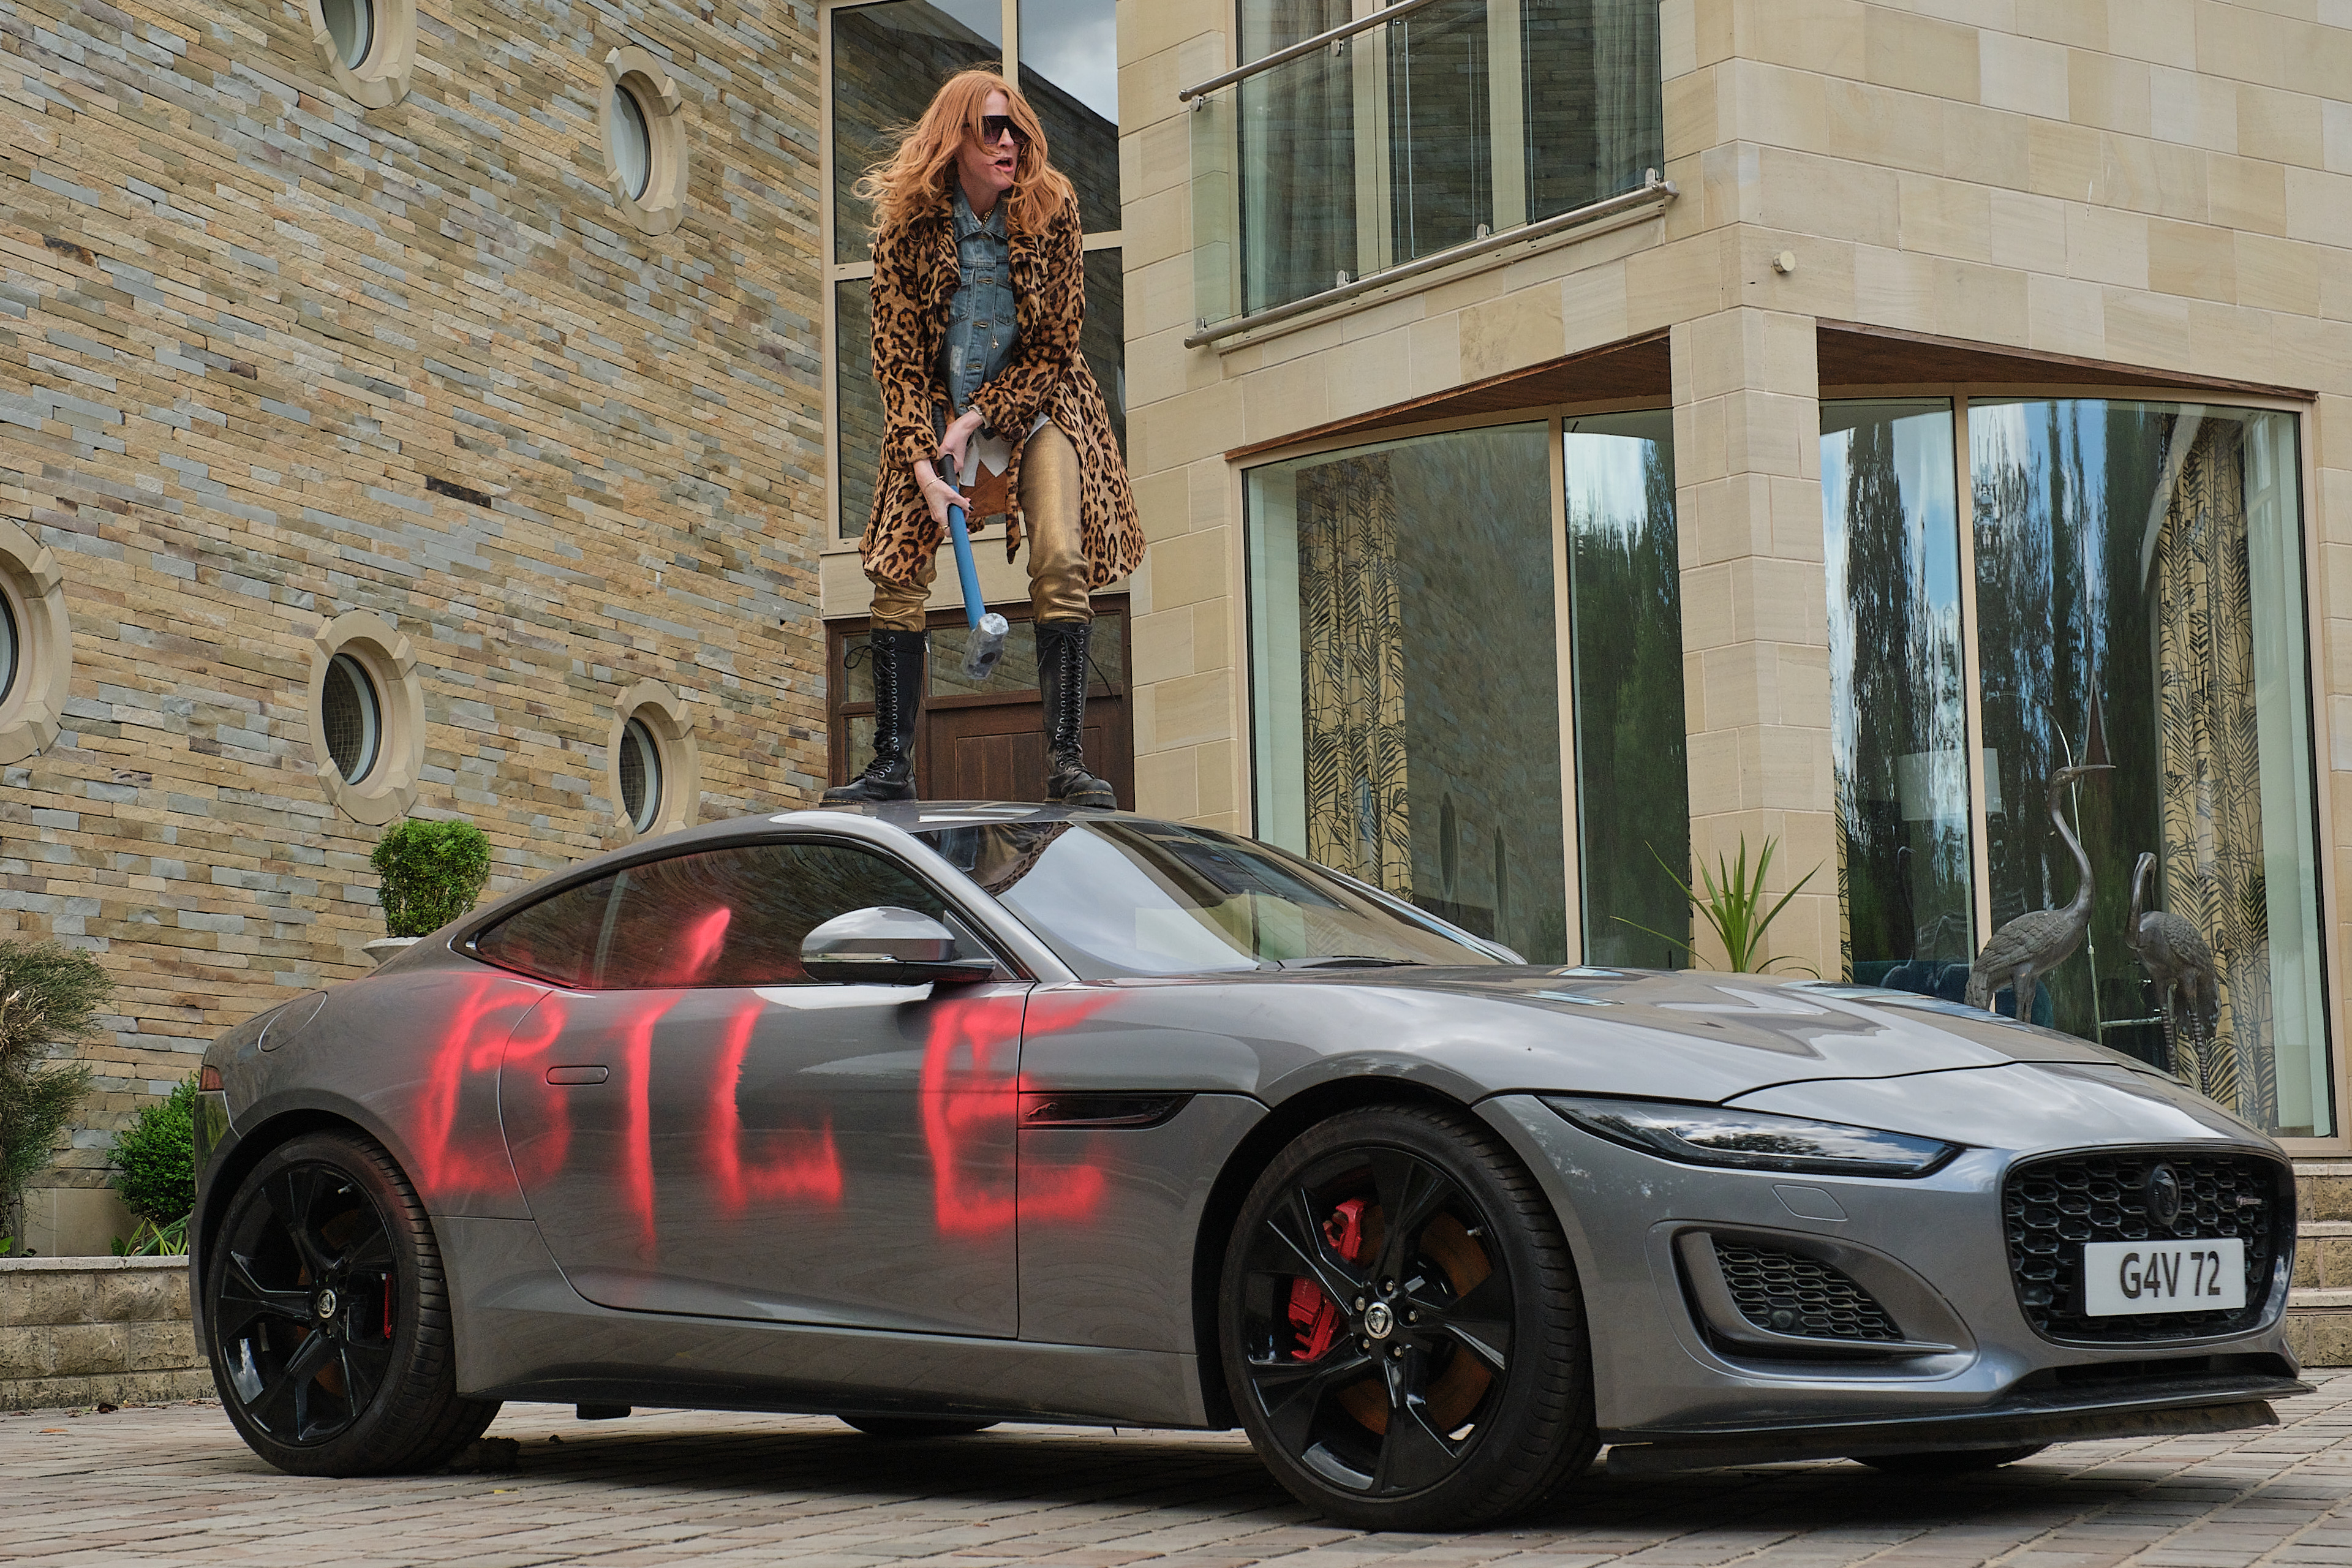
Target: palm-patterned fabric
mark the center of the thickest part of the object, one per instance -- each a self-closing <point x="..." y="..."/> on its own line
<point x="2212" y="859"/>
<point x="1351" y="643"/>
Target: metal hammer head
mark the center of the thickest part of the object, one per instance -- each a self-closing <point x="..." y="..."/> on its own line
<point x="983" y="646"/>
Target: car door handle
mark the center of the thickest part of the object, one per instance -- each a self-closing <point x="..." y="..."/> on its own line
<point x="578" y="1074"/>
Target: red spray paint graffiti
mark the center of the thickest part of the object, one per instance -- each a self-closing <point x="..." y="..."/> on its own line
<point x="803" y="1165"/>
<point x="971" y="1091"/>
<point x="466" y="1056"/>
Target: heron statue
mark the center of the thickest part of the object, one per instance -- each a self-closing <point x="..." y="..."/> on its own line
<point x="2039" y="940"/>
<point x="2180" y="964"/>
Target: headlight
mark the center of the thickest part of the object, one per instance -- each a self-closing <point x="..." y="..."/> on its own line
<point x="1751" y="1140"/>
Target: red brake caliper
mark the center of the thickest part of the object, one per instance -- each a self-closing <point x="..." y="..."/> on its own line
<point x="1314" y="1315"/>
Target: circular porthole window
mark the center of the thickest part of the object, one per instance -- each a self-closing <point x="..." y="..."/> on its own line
<point x="8" y="656"/>
<point x="350" y="26"/>
<point x="641" y="775"/>
<point x="632" y="144"/>
<point x="644" y="140"/>
<point x="369" y="47"/>
<point x="351" y="718"/>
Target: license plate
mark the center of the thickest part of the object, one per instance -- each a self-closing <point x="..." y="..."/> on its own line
<point x="2163" y="1275"/>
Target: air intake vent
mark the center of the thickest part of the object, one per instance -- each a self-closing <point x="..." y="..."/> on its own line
<point x="1789" y="1294"/>
<point x="2051" y="1208"/>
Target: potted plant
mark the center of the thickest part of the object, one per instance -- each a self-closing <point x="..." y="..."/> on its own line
<point x="1734" y="906"/>
<point x="49" y="996"/>
<point x="431" y="873"/>
<point x="155" y="1172"/>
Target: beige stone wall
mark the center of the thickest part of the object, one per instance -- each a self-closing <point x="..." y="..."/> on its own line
<point x="250" y="330"/>
<point x="82" y="1329"/>
<point x="2164" y="184"/>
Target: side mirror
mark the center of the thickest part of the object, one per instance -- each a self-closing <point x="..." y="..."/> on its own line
<point x="886" y="946"/>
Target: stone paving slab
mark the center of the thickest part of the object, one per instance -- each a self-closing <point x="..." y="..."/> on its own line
<point x="173" y="1484"/>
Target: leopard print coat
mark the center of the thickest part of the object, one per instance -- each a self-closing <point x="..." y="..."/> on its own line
<point x="915" y="279"/>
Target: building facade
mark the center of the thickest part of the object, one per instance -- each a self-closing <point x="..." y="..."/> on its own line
<point x="1580" y="438"/>
<point x="403" y="410"/>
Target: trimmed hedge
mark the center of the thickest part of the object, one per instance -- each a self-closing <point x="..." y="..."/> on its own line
<point x="432" y="872"/>
<point x="155" y="1158"/>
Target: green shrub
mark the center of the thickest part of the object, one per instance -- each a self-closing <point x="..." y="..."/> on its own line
<point x="432" y="872"/>
<point x="155" y="1158"/>
<point x="49" y="996"/>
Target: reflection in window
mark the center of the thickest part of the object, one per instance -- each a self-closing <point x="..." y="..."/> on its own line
<point x="2142" y="561"/>
<point x="1899" y="728"/>
<point x="1069" y="74"/>
<point x="888" y="61"/>
<point x="1406" y="696"/>
<point x="1632" y="785"/>
<point x="857" y="400"/>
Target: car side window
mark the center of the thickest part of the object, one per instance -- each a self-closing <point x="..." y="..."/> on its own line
<point x="556" y="939"/>
<point x="721" y="917"/>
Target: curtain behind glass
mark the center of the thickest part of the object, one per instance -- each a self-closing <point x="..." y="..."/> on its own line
<point x="1898" y="735"/>
<point x="1406" y="694"/>
<point x="1632" y="784"/>
<point x="2143" y="560"/>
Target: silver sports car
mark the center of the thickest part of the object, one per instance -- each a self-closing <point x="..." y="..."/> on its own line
<point x="936" y="1116"/>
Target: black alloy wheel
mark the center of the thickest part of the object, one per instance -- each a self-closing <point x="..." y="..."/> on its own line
<point x="896" y="1427"/>
<point x="327" y="1318"/>
<point x="1928" y="1463"/>
<point x="1401" y="1325"/>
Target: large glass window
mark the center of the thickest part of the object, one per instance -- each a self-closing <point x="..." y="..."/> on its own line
<point x="2139" y="575"/>
<point x="1633" y="783"/>
<point x="1406" y="687"/>
<point x="1462" y="119"/>
<point x="1898" y="724"/>
<point x="886" y="61"/>
<point x="2130" y="588"/>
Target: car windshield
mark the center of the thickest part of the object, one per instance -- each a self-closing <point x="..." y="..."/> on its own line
<point x="1125" y="897"/>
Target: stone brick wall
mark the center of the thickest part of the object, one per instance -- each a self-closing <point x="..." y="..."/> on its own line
<point x="254" y="341"/>
<point x="76" y="1331"/>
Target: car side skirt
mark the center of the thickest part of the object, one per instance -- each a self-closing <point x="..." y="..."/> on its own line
<point x="525" y="1333"/>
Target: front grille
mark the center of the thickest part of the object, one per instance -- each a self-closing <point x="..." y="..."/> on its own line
<point x="1790" y="1294"/>
<point x="2051" y="1208"/>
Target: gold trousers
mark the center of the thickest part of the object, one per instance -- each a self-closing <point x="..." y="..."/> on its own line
<point x="1058" y="569"/>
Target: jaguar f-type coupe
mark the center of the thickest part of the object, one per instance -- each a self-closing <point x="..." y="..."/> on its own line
<point x="935" y="1116"/>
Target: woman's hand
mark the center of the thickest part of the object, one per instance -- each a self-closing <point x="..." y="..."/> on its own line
<point x="957" y="439"/>
<point x="938" y="494"/>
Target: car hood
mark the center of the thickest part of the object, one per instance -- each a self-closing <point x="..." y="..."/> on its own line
<point x="1688" y="1035"/>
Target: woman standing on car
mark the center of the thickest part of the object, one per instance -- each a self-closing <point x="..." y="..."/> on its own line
<point x="979" y="293"/>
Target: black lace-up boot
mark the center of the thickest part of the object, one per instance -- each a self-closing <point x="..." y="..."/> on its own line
<point x="897" y="691"/>
<point x="1062" y="681"/>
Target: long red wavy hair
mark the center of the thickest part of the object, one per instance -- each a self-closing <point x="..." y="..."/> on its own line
<point x="916" y="172"/>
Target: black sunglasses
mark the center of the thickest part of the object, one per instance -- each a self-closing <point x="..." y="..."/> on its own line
<point x="995" y="128"/>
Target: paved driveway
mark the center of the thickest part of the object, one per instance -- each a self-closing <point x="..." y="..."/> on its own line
<point x="173" y="1485"/>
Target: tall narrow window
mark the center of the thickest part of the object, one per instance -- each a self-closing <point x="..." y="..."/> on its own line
<point x="1632" y="783"/>
<point x="2139" y="579"/>
<point x="1898" y="727"/>
<point x="1406" y="690"/>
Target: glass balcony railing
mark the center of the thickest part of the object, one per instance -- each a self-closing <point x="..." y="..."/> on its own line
<point x="1428" y="130"/>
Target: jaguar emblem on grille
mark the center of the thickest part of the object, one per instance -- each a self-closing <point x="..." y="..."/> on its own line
<point x="2162" y="1196"/>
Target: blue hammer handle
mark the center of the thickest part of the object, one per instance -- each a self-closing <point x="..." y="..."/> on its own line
<point x="967" y="574"/>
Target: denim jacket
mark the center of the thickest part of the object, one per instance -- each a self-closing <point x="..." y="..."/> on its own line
<point x="983" y="323"/>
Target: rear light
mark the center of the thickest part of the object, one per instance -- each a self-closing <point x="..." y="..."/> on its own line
<point x="208" y="1079"/>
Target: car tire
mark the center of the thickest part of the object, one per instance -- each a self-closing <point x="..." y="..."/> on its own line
<point x="1931" y="1462"/>
<point x="327" y="1316"/>
<point x="900" y="1427"/>
<point x="1482" y="1405"/>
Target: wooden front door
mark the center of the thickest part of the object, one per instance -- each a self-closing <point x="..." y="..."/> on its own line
<point x="987" y="742"/>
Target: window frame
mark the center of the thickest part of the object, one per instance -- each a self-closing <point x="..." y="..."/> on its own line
<point x="835" y="542"/>
<point x="1009" y="966"/>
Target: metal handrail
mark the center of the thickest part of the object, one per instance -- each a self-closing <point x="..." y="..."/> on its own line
<point x="1652" y="189"/>
<point x="1305" y="46"/>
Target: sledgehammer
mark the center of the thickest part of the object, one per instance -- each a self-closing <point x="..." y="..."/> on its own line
<point x="985" y="643"/>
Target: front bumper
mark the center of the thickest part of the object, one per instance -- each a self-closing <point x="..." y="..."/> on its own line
<point x="1681" y="1380"/>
